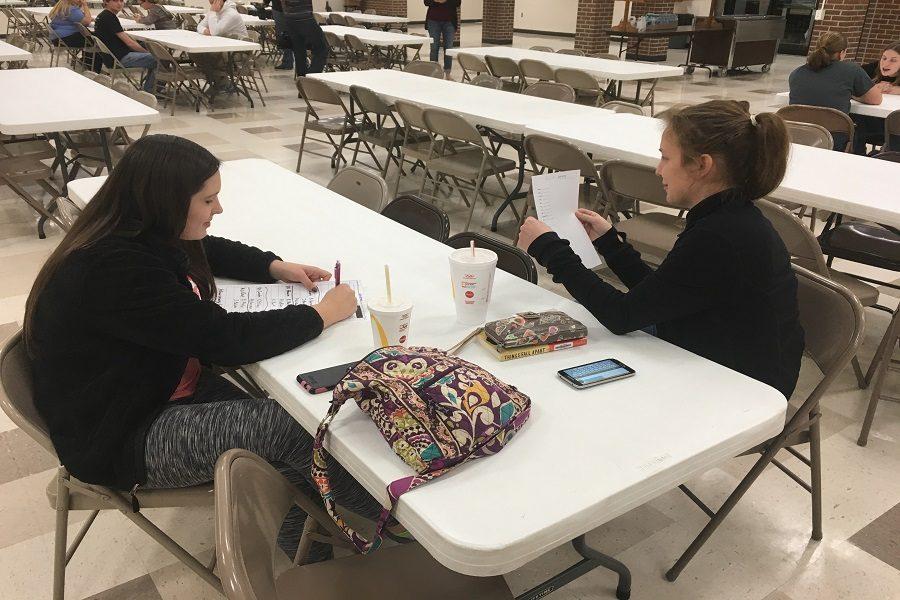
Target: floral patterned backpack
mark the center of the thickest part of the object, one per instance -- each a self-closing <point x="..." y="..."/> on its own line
<point x="435" y="410"/>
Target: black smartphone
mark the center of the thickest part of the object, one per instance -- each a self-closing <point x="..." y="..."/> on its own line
<point x="316" y="382"/>
<point x="595" y="373"/>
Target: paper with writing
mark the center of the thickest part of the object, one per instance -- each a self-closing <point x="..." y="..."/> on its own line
<point x="257" y="297"/>
<point x="556" y="200"/>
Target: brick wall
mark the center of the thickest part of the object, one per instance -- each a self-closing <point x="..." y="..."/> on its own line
<point x="388" y="8"/>
<point x="880" y="30"/>
<point x="652" y="48"/>
<point x="497" y="23"/>
<point x="846" y="17"/>
<point x="594" y="18"/>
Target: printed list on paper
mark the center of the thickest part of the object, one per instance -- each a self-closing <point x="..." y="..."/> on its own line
<point x="253" y="297"/>
<point x="556" y="200"/>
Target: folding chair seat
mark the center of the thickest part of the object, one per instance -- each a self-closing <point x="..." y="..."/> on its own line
<point x="418" y="215"/>
<point x="363" y="186"/>
<point x="67" y="493"/>
<point x="252" y="499"/>
<point x="821" y="301"/>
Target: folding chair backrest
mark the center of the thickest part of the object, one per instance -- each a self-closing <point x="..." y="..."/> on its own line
<point x="892" y="132"/>
<point x="418" y="215"/>
<point x="536" y="69"/>
<point x="451" y="125"/>
<point x="501" y="66"/>
<point x="145" y="98"/>
<point x="369" y="101"/>
<point x="410" y="113"/>
<point x="17" y="391"/>
<point x="337" y="19"/>
<point x="363" y="186"/>
<point x="551" y="90"/>
<point x="335" y="42"/>
<point x="351" y="22"/>
<point x="893" y="156"/>
<point x="801" y="243"/>
<point x="189" y="22"/>
<point x="621" y="180"/>
<point x="424" y="67"/>
<point x="542" y="49"/>
<point x="509" y="258"/>
<point x="832" y="320"/>
<point x="314" y="90"/>
<point x="123" y="87"/>
<point x="487" y="80"/>
<point x="559" y="155"/>
<point x="606" y="55"/>
<point x="809" y="134"/>
<point x="68" y="212"/>
<point x="319" y="19"/>
<point x="165" y="62"/>
<point x="578" y="79"/>
<point x="355" y="44"/>
<point x="472" y="64"/>
<point x="831" y="119"/>
<point x="623" y="107"/>
<point x="103" y="80"/>
<point x="571" y="51"/>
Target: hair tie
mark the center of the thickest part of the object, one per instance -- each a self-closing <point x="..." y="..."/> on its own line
<point x="753" y="120"/>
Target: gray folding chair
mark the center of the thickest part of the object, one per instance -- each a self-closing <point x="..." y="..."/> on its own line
<point x="534" y="69"/>
<point x="363" y="186"/>
<point x="252" y="499"/>
<point x="551" y="90"/>
<point x="892" y="132"/>
<point x="378" y="127"/>
<point x="620" y="106"/>
<point x="509" y="258"/>
<point x="471" y="66"/>
<point x="588" y="89"/>
<point x="507" y="70"/>
<point x="571" y="51"/>
<point x="606" y="55"/>
<point x="67" y="493"/>
<point x="821" y="301"/>
<point x="809" y="134"/>
<point x="625" y="186"/>
<point x="336" y="129"/>
<point x="542" y="49"/>
<point x="836" y="122"/>
<point x="426" y="68"/>
<point x="487" y="80"/>
<point x="418" y="215"/>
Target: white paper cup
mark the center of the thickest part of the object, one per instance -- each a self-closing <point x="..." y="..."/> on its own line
<point x="472" y="277"/>
<point x="390" y="321"/>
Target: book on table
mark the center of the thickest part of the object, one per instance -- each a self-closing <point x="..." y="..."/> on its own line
<point x="504" y="354"/>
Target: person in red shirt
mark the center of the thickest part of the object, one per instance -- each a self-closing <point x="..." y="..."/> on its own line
<point x="441" y="22"/>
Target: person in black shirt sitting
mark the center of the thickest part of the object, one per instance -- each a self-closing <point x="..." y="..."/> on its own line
<point x="124" y="47"/>
<point x="726" y="290"/>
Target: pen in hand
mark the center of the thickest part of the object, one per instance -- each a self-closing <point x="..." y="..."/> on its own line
<point x="337" y="273"/>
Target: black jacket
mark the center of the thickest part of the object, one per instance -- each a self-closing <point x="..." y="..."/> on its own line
<point x="451" y="5"/>
<point x="113" y="330"/>
<point x="726" y="291"/>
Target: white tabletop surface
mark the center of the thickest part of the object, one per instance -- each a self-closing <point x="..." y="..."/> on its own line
<point x="41" y="11"/>
<point x="889" y="103"/>
<point x="858" y="186"/>
<point x="30" y="103"/>
<point x="482" y="106"/>
<point x="12" y="3"/>
<point x="254" y="21"/>
<point x="185" y="10"/>
<point x="376" y="37"/>
<point x="620" y="70"/>
<point x="8" y="52"/>
<point x="364" y="18"/>
<point x="583" y="458"/>
<point x="191" y="41"/>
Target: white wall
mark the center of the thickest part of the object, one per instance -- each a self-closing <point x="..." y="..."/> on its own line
<point x="559" y="16"/>
<point x="471" y="10"/>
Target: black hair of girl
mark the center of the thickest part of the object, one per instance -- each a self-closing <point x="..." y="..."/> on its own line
<point x="147" y="196"/>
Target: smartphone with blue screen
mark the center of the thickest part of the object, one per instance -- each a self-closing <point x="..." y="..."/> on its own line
<point x="595" y="373"/>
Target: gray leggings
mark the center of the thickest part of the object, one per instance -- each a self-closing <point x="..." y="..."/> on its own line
<point x="185" y="440"/>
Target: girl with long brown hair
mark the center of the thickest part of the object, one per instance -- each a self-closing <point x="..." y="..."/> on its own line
<point x="726" y="290"/>
<point x="122" y="332"/>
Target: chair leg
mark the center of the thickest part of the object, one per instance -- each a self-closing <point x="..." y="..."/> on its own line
<point x="300" y="152"/>
<point x="857" y="370"/>
<point x="815" y="469"/>
<point x="59" y="544"/>
<point x="877" y="373"/>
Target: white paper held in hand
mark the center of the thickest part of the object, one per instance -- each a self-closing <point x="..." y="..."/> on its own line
<point x="556" y="200"/>
<point x="257" y="297"/>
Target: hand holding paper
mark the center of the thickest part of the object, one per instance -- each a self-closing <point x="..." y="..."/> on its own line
<point x="556" y="201"/>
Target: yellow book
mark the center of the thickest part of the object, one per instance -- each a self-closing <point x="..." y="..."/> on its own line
<point x="513" y="353"/>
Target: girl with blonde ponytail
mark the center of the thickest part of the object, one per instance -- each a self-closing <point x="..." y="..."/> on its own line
<point x="827" y="80"/>
<point x="726" y="290"/>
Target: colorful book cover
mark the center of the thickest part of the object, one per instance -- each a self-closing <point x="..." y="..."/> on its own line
<point x="522" y="352"/>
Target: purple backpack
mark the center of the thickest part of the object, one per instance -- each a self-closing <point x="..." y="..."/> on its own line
<point x="435" y="410"/>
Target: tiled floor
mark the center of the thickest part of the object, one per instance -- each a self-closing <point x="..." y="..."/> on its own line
<point x="762" y="552"/>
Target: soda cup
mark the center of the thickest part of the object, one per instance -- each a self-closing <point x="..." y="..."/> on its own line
<point x="472" y="277"/>
<point x="390" y="321"/>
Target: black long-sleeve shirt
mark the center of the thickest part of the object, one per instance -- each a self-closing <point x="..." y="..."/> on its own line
<point x="113" y="330"/>
<point x="442" y="11"/>
<point x="726" y="291"/>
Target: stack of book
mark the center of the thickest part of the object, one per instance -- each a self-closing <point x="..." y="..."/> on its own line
<point x="534" y="349"/>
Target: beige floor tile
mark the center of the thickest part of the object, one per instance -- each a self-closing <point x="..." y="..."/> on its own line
<point x="841" y="571"/>
<point x="880" y="537"/>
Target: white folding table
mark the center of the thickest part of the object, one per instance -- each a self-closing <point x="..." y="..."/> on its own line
<point x="44" y="12"/>
<point x="496" y="109"/>
<point x="848" y="184"/>
<point x="380" y="20"/>
<point x="616" y="71"/>
<point x="184" y="10"/>
<point x="889" y="104"/>
<point x="10" y="53"/>
<point x="584" y="458"/>
<point x="193" y="42"/>
<point x="375" y="37"/>
<point x="253" y="22"/>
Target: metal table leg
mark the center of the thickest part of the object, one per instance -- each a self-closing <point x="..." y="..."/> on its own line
<point x="516" y="193"/>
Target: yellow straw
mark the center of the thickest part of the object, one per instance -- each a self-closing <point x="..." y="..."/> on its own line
<point x="387" y="283"/>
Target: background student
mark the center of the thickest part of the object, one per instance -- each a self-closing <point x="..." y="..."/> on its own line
<point x="726" y="291"/>
<point x="885" y="73"/>
<point x="122" y="331"/>
<point x="157" y="15"/>
<point x="305" y="34"/>
<point x="64" y="18"/>
<point x="441" y="21"/>
<point x="826" y="80"/>
<point x="223" y="19"/>
<point x="124" y="47"/>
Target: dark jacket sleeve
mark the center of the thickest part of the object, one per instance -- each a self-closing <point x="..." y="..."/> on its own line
<point x="136" y="297"/>
<point x="624" y="260"/>
<point x="694" y="276"/>
<point x="235" y="260"/>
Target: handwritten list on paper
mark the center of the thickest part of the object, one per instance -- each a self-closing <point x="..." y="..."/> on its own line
<point x="253" y="297"/>
<point x="556" y="200"/>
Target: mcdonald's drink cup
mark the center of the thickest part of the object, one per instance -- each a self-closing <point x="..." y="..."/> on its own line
<point x="390" y="321"/>
<point x="472" y="277"/>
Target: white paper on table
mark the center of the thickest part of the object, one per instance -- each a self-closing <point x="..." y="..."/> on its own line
<point x="258" y="297"/>
<point x="556" y="200"/>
